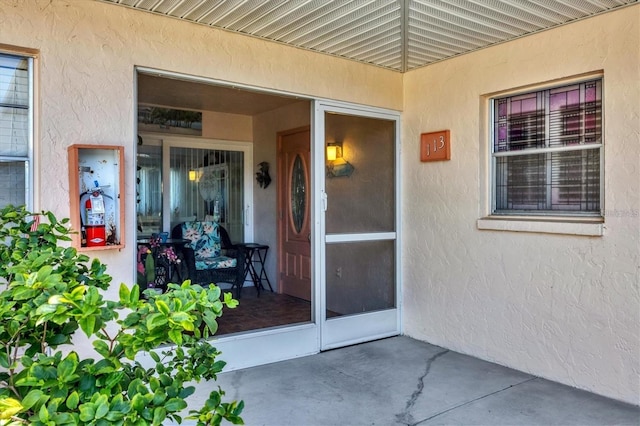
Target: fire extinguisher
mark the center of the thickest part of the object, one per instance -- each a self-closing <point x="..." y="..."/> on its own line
<point x="95" y="226"/>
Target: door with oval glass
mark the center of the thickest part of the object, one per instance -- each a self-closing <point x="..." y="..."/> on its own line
<point x="294" y="225"/>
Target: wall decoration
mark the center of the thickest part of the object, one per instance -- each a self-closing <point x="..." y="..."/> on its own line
<point x="262" y="177"/>
<point x="165" y="120"/>
<point x="435" y="146"/>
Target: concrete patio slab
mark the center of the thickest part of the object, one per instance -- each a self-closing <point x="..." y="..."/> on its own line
<point x="401" y="381"/>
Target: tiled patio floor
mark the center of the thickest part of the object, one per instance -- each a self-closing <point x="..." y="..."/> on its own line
<point x="268" y="310"/>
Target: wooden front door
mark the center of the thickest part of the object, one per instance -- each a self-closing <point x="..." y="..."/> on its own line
<point x="294" y="224"/>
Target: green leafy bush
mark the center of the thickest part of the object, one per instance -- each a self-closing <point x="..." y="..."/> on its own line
<point x="49" y="292"/>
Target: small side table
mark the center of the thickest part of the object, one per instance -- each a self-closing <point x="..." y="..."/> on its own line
<point x="256" y="256"/>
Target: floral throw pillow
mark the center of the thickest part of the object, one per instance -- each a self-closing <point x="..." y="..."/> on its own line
<point x="204" y="237"/>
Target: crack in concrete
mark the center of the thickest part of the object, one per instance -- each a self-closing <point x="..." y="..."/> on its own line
<point x="405" y="417"/>
<point x="471" y="401"/>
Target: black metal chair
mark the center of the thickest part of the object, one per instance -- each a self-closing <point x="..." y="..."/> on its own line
<point x="232" y="275"/>
<point x="227" y="245"/>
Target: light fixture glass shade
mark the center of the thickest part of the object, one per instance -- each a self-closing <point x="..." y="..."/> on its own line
<point x="332" y="152"/>
<point x="193" y="175"/>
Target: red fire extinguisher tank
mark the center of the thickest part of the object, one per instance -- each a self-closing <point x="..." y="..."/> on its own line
<point x="95" y="226"/>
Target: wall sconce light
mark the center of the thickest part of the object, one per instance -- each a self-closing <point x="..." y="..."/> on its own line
<point x="336" y="165"/>
<point x="334" y="151"/>
<point x="195" y="175"/>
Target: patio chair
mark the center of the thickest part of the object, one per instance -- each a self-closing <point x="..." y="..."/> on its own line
<point x="203" y="257"/>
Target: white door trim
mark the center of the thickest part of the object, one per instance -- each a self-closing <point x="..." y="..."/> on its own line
<point x="343" y="331"/>
<point x="287" y="342"/>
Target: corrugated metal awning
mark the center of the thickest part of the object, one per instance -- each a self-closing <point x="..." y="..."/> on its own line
<point x="396" y="34"/>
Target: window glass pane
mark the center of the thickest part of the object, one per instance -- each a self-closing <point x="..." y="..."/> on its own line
<point x="520" y="182"/>
<point x="14" y="81"/>
<point x="13" y="183"/>
<point x="561" y="181"/>
<point x="14" y="132"/>
<point x="520" y="123"/>
<point x="575" y="180"/>
<point x="568" y="118"/>
<point x="575" y="114"/>
<point x="208" y="184"/>
<point x="149" y="189"/>
<point x="572" y="113"/>
<point x="14" y="109"/>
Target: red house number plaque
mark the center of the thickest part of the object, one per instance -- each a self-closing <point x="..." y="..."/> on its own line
<point x="435" y="146"/>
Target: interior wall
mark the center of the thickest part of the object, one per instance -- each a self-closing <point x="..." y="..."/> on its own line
<point x="265" y="129"/>
<point x="230" y="127"/>
<point x="558" y="306"/>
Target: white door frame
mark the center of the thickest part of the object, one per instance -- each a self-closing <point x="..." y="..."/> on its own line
<point x="166" y="142"/>
<point x="239" y="351"/>
<point x="277" y="344"/>
<point x="246" y="148"/>
<point x="352" y="329"/>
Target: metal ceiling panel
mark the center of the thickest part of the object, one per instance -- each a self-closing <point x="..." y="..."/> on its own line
<point x="287" y="14"/>
<point x="335" y="35"/>
<point x="128" y="2"/>
<point x="300" y="17"/>
<point x="396" y="34"/>
<point x="200" y="10"/>
<point x="145" y="4"/>
<point x="426" y="23"/>
<point x="161" y="6"/>
<point x="341" y="17"/>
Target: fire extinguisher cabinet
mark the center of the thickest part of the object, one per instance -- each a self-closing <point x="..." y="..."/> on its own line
<point x="96" y="185"/>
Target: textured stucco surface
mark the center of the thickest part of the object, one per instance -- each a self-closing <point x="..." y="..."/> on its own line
<point x="563" y="307"/>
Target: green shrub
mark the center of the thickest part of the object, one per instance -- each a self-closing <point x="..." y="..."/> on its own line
<point x="50" y="291"/>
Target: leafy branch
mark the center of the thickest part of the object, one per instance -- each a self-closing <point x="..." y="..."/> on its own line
<point x="51" y="292"/>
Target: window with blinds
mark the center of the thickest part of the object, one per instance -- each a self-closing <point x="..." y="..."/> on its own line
<point x="15" y="144"/>
<point x="547" y="149"/>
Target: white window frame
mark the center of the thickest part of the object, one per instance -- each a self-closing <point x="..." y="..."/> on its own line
<point x="580" y="223"/>
<point x="167" y="141"/>
<point x="29" y="158"/>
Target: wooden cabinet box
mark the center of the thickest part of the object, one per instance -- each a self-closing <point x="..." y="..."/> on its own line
<point x="96" y="186"/>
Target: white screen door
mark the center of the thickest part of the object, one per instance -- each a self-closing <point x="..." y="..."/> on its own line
<point x="358" y="245"/>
